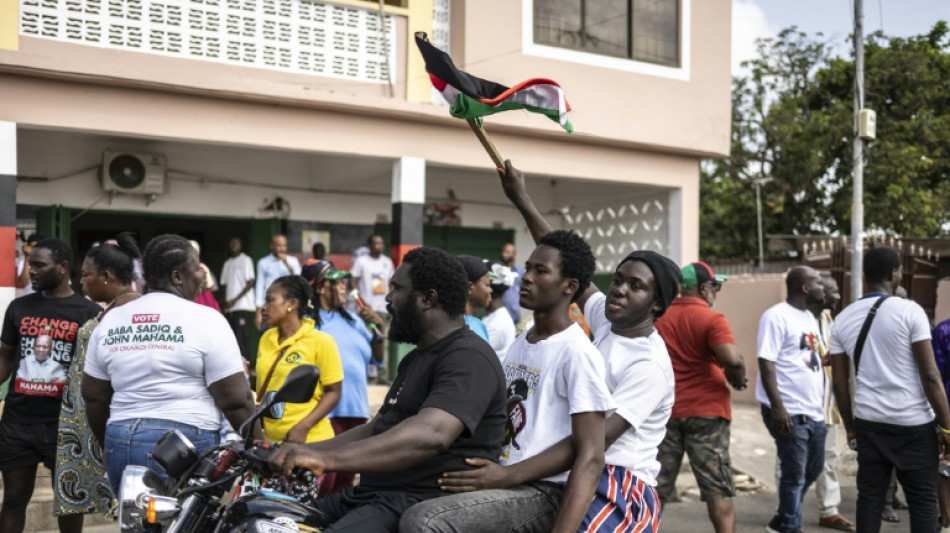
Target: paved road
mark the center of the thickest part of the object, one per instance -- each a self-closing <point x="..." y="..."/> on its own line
<point x="754" y="511"/>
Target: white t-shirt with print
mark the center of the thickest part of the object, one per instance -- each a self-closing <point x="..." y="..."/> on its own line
<point x="374" y="276"/>
<point x="557" y="377"/>
<point x="235" y="274"/>
<point x="887" y="388"/>
<point x="161" y="353"/>
<point x="640" y="378"/>
<point x="789" y="338"/>
<point x="501" y="330"/>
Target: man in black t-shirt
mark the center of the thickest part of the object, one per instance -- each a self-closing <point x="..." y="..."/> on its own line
<point x="37" y="344"/>
<point x="447" y="404"/>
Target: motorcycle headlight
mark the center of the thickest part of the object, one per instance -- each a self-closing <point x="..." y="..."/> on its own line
<point x="138" y="487"/>
<point x="175" y="453"/>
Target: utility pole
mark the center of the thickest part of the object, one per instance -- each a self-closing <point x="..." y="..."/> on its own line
<point x="758" y="213"/>
<point x="857" y="205"/>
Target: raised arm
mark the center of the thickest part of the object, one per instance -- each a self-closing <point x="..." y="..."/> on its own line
<point x="512" y="182"/>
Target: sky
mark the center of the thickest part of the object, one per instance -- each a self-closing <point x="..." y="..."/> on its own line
<point x="765" y="18"/>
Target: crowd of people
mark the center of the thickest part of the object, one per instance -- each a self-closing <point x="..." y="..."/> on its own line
<point x="580" y="423"/>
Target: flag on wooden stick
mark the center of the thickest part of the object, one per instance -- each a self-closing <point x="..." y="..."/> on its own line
<point x="471" y="97"/>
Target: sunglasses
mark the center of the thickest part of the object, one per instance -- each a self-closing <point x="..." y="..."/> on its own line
<point x="716" y="285"/>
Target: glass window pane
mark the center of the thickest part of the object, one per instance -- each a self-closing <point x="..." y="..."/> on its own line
<point x="656" y="31"/>
<point x="598" y="26"/>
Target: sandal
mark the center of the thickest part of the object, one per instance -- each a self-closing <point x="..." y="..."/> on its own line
<point x="837" y="522"/>
<point x="889" y="515"/>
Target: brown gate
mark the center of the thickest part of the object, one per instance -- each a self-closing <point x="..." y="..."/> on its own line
<point x="833" y="255"/>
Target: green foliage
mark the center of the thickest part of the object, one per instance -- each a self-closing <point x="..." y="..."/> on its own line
<point x="793" y="122"/>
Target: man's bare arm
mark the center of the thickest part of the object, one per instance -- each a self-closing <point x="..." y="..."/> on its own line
<point x="780" y="418"/>
<point x="407" y="444"/>
<point x="7" y="360"/>
<point x="588" y="436"/>
<point x="732" y="364"/>
<point x="841" y="382"/>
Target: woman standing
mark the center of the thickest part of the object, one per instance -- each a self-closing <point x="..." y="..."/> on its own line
<point x="163" y="362"/>
<point x="357" y="347"/>
<point x="290" y="342"/>
<point x="79" y="481"/>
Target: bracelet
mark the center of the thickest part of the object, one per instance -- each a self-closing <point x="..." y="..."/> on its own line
<point x="941" y="429"/>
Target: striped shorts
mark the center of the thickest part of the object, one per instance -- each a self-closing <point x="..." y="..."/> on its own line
<point x="622" y="503"/>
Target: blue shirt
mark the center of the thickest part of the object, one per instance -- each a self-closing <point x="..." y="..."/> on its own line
<point x="477" y="326"/>
<point x="353" y="341"/>
<point x="510" y="298"/>
<point x="270" y="268"/>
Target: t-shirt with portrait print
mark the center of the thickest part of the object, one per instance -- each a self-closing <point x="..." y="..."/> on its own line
<point x="788" y="337"/>
<point x="43" y="333"/>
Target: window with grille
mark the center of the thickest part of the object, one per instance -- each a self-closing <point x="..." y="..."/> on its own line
<point x="302" y="36"/>
<point x="643" y="30"/>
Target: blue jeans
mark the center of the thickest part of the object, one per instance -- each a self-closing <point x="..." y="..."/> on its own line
<point x="130" y="442"/>
<point x="529" y="508"/>
<point x="801" y="456"/>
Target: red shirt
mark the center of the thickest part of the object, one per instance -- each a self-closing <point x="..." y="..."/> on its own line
<point x="691" y="329"/>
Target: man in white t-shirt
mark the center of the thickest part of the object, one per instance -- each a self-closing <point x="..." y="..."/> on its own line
<point x="371" y="275"/>
<point x="790" y="390"/>
<point x="557" y="391"/>
<point x="237" y="279"/>
<point x="898" y="390"/>
<point x="639" y="376"/>
<point x="497" y="320"/>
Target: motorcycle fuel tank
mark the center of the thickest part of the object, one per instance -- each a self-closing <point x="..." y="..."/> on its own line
<point x="257" y="514"/>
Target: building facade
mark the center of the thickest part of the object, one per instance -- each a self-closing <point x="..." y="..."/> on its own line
<point x="316" y="118"/>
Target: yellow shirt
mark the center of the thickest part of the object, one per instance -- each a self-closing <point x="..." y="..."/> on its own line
<point x="306" y="347"/>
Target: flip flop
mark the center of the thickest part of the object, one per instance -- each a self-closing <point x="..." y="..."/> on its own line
<point x="888" y="515"/>
<point x="837" y="522"/>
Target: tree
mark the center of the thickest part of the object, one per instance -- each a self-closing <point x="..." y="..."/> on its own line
<point x="793" y="122"/>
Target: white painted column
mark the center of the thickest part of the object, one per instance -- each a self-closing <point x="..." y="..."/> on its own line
<point x="8" y="171"/>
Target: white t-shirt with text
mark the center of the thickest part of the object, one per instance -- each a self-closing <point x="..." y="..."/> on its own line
<point x="557" y="377"/>
<point x="235" y="274"/>
<point x="501" y="330"/>
<point x="161" y="353"/>
<point x="887" y="388"/>
<point x="789" y="338"/>
<point x="374" y="275"/>
<point x="640" y="378"/>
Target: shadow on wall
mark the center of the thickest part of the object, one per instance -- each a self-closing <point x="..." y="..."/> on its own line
<point x="743" y="300"/>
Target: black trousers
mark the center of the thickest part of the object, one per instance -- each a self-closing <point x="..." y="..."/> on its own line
<point x="912" y="451"/>
<point x="241" y="322"/>
<point x="361" y="510"/>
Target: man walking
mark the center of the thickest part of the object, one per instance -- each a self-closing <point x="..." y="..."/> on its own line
<point x="237" y="278"/>
<point x="271" y="267"/>
<point x="371" y="274"/>
<point x="704" y="356"/>
<point x="898" y="390"/>
<point x="37" y="344"/>
<point x="790" y="391"/>
<point x="827" y="489"/>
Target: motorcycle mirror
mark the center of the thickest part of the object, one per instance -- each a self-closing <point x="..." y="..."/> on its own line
<point x="299" y="386"/>
<point x="276" y="410"/>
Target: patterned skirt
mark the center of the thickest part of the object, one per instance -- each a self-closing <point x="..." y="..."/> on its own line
<point x="79" y="482"/>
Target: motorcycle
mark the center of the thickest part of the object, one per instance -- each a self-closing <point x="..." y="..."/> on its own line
<point x="195" y="497"/>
